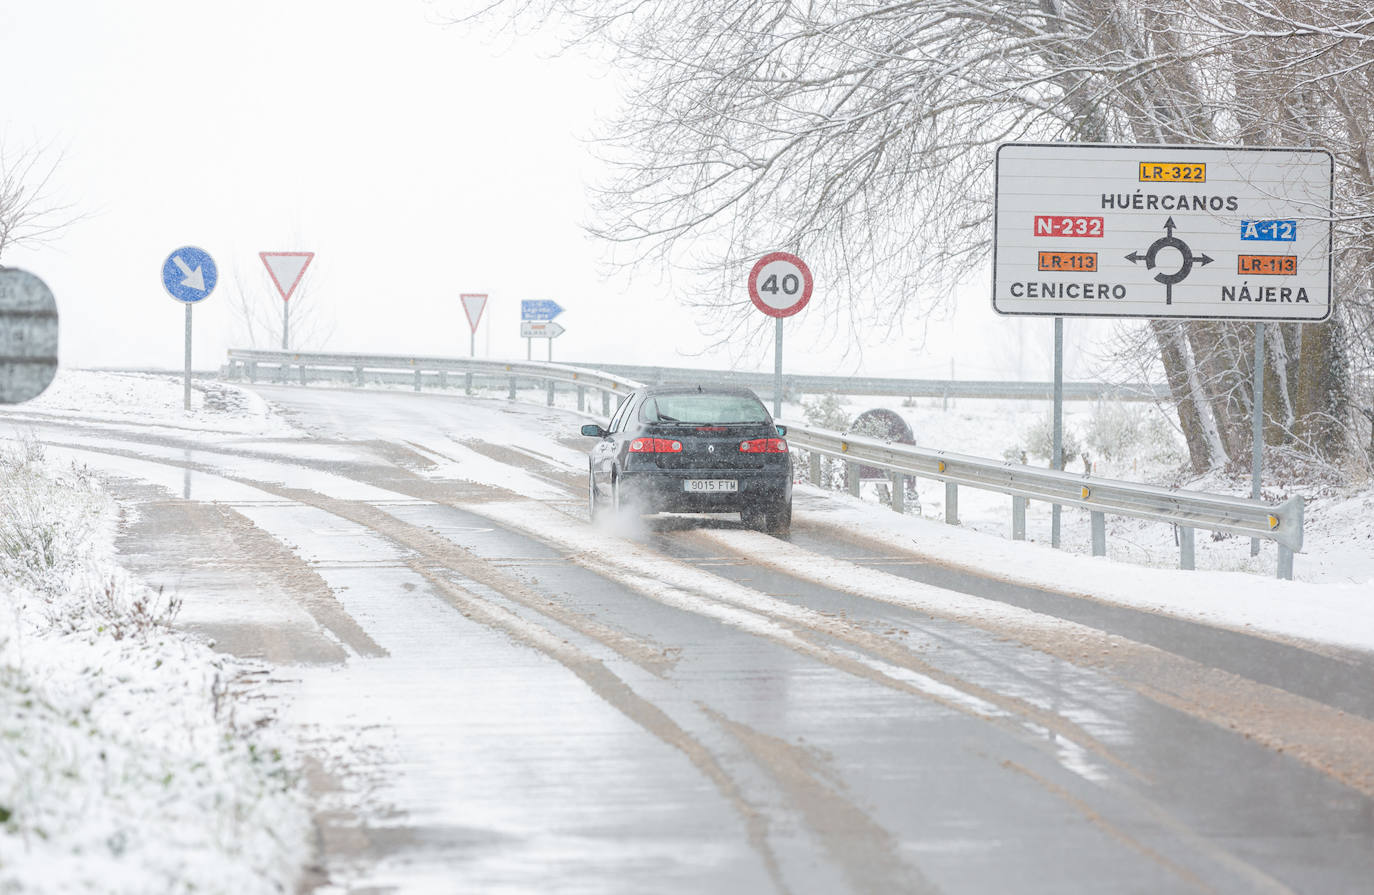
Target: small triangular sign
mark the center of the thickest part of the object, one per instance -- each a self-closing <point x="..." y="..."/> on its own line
<point x="473" y="305"/>
<point x="286" y="269"/>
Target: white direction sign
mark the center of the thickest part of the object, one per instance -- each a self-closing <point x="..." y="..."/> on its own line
<point x="473" y="305"/>
<point x="531" y="329"/>
<point x="286" y="269"/>
<point x="1162" y="231"/>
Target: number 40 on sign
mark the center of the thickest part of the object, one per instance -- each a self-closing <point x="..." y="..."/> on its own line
<point x="780" y="284"/>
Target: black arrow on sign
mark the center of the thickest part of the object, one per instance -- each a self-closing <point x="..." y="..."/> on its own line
<point x="1169" y="226"/>
<point x="1135" y="257"/>
<point x="1204" y="259"/>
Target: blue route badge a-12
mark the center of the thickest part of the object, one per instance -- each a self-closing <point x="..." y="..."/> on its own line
<point x="1187" y="259"/>
<point x="189" y="274"/>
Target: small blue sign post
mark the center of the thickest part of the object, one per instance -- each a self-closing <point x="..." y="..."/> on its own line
<point x="542" y="311"/>
<point x="189" y="275"/>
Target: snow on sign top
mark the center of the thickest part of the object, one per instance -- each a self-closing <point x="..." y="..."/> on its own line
<point x="1098" y="230"/>
<point x="286" y="269"/>
<point x="473" y="305"/>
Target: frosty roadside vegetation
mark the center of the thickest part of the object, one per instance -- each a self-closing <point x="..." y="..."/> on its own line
<point x="129" y="759"/>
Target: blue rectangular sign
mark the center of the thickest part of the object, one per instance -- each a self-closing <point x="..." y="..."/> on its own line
<point x="539" y="310"/>
<point x="1269" y="231"/>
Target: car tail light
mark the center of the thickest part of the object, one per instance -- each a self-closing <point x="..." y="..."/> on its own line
<point x="655" y="446"/>
<point x="764" y="446"/>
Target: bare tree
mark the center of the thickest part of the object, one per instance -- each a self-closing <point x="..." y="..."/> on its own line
<point x="28" y="212"/>
<point x="861" y="134"/>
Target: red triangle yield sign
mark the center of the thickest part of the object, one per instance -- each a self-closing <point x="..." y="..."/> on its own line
<point x="473" y="305"/>
<point x="286" y="269"/>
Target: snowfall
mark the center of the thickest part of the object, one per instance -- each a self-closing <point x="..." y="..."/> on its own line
<point x="136" y="758"/>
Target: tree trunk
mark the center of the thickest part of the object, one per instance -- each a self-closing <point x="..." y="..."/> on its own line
<point x="1176" y="372"/>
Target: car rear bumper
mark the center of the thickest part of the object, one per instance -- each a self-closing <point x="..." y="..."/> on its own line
<point x="662" y="490"/>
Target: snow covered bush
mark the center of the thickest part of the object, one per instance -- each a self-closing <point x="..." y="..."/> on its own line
<point x="127" y="764"/>
<point x="1114" y="429"/>
<point x="1038" y="440"/>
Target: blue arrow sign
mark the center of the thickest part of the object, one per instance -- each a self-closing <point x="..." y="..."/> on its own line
<point x="539" y="310"/>
<point x="189" y="274"/>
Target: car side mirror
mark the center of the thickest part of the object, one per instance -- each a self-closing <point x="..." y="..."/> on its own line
<point x="592" y="430"/>
<point x="782" y="430"/>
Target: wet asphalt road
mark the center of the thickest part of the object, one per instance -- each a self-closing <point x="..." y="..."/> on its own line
<point x="497" y="697"/>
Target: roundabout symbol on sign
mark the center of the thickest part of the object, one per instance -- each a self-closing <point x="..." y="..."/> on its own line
<point x="780" y="284"/>
<point x="1169" y="241"/>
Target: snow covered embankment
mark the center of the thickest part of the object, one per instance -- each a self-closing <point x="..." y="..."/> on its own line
<point x="126" y="762"/>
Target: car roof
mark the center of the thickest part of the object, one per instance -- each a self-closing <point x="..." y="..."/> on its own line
<point x="741" y="391"/>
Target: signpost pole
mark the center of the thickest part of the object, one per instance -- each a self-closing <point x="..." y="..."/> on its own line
<point x="529" y="349"/>
<point x="472" y="344"/>
<point x="285" y="325"/>
<point x="1057" y="460"/>
<point x="550" y="341"/>
<point x="1257" y="451"/>
<point x="777" y="367"/>
<point x="186" y="384"/>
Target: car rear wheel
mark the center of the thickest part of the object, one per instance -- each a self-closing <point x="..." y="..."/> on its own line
<point x="778" y="519"/>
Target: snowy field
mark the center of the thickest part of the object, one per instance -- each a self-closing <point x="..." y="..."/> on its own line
<point x="144" y="767"/>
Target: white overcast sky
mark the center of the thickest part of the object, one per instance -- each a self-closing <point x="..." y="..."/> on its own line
<point x="418" y="160"/>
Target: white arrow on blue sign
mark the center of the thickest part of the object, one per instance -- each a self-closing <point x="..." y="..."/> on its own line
<point x="539" y="310"/>
<point x="189" y="274"/>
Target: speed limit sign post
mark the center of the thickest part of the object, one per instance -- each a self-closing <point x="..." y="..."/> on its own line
<point x="779" y="286"/>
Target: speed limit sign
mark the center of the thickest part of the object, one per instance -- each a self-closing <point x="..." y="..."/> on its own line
<point x="780" y="284"/>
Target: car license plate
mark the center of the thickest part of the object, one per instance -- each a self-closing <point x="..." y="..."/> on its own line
<point x="709" y="486"/>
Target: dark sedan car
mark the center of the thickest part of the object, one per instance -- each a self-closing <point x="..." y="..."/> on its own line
<point x="693" y="450"/>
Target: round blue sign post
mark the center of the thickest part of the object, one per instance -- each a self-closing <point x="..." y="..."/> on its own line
<point x="189" y="275"/>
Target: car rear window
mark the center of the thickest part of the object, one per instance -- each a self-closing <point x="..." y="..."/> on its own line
<point x="704" y="408"/>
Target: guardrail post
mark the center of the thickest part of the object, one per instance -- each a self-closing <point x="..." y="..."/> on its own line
<point x="550" y="392"/>
<point x="303" y="377"/>
<point x="1185" y="547"/>
<point x="1285" y="563"/>
<point x="512" y="389"/>
<point x="951" y="503"/>
<point x="443" y="379"/>
<point x="581" y="398"/>
<point x="815" y="469"/>
<point x="467" y="383"/>
<point x="606" y="404"/>
<point x="417" y="380"/>
<point x="851" y="474"/>
<point x="252" y="371"/>
<point x="898" y="492"/>
<point x="358" y="376"/>
<point x="1018" y="517"/>
<point x="1099" y="524"/>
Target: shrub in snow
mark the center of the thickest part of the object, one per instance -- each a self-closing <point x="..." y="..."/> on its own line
<point x="827" y="412"/>
<point x="1039" y="440"/>
<point x="126" y="763"/>
<point x="1114" y="429"/>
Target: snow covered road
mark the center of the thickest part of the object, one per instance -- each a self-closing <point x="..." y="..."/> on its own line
<point x="496" y="696"/>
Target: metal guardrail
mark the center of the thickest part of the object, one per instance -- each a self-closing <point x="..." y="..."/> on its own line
<point x="805" y="384"/>
<point x="1189" y="510"/>
<point x="277" y="366"/>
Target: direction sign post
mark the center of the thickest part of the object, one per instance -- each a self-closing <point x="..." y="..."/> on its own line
<point x="779" y="286"/>
<point x="1230" y="233"/>
<point x="286" y="270"/>
<point x="28" y="336"/>
<point x="536" y="312"/>
<point x="189" y="275"/>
